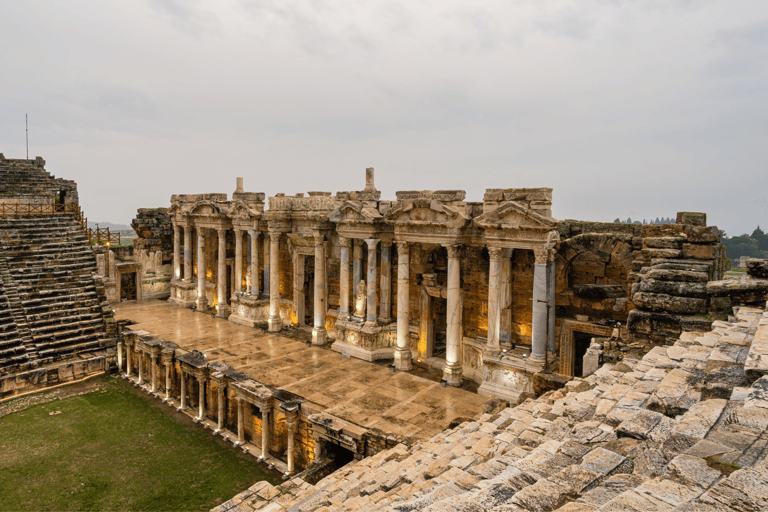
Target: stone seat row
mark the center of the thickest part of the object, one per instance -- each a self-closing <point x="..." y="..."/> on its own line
<point x="649" y="434"/>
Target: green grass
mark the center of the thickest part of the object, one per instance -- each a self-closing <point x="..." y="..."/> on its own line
<point x="114" y="449"/>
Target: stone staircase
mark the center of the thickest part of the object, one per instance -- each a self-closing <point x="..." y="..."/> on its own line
<point x="48" y="274"/>
<point x="684" y="428"/>
<point x="14" y="333"/>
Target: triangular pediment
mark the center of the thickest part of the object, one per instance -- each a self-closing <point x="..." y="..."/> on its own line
<point x="514" y="215"/>
<point x="240" y="211"/>
<point x="427" y="212"/>
<point x="355" y="212"/>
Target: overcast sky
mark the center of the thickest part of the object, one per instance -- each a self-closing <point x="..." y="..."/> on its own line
<point x="637" y="109"/>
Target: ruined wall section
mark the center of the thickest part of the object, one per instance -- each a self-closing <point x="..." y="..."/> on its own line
<point x="27" y="182"/>
<point x="155" y="232"/>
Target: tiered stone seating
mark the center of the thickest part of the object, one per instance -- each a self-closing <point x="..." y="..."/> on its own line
<point x="52" y="266"/>
<point x="20" y="178"/>
<point x="12" y="350"/>
<point x="685" y="428"/>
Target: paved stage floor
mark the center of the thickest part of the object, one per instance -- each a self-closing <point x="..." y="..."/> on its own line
<point x="356" y="391"/>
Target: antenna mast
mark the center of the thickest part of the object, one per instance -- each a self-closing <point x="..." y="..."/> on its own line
<point x="26" y="122"/>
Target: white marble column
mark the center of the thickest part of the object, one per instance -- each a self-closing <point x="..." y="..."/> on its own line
<point x="291" y="421"/>
<point x="385" y="283"/>
<point x="188" y="254"/>
<point x="267" y="273"/>
<point x="119" y="356"/>
<point x="452" y="368"/>
<point x="275" y="323"/>
<point x="506" y="296"/>
<point x="202" y="302"/>
<point x="128" y="362"/>
<point x="176" y="250"/>
<point x="319" y="334"/>
<point x="344" y="279"/>
<point x="240" y="422"/>
<point x="265" y="414"/>
<point x="167" y="380"/>
<point x="357" y="263"/>
<point x="370" y="309"/>
<point x="183" y="397"/>
<point x="153" y="362"/>
<point x="551" y="276"/>
<point x="201" y="397"/>
<point x="254" y="268"/>
<point x="403" y="349"/>
<point x="494" y="299"/>
<point x="221" y="386"/>
<point x="539" y="316"/>
<point x="221" y="279"/>
<point x="140" y="355"/>
<point x="238" y="262"/>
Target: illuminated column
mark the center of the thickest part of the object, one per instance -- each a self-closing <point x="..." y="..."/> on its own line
<point x="221" y="386"/>
<point x="183" y="397"/>
<point x="222" y="311"/>
<point x="141" y="367"/>
<point x="403" y="349"/>
<point x="176" y="248"/>
<point x="202" y="302"/>
<point x="370" y="310"/>
<point x="385" y="282"/>
<point x="494" y="292"/>
<point x="188" y="254"/>
<point x="153" y="362"/>
<point x="539" y="316"/>
<point x="275" y="323"/>
<point x="167" y="362"/>
<point x="551" y="276"/>
<point x="318" y="332"/>
<point x="238" y="262"/>
<point x="128" y="362"/>
<point x="254" y="270"/>
<point x="201" y="397"/>
<point x="265" y="414"/>
<point x="452" y="368"/>
<point x="240" y="423"/>
<point x="291" y="421"/>
<point x="119" y="356"/>
<point x="344" y="279"/>
<point x="267" y="274"/>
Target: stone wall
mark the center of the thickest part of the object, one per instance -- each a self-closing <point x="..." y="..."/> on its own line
<point x="155" y="232"/>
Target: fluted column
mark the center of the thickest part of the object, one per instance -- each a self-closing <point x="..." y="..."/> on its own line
<point x="188" y="254"/>
<point x="254" y="269"/>
<point x="275" y="323"/>
<point x="403" y="349"/>
<point x="344" y="279"/>
<point x="452" y="368"/>
<point x="265" y="433"/>
<point x="176" y="249"/>
<point x="539" y="316"/>
<point x="291" y="421"/>
<point x="202" y="302"/>
<point x="370" y="310"/>
<point x="357" y="264"/>
<point x="385" y="283"/>
<point x="238" y="262"/>
<point x="201" y="397"/>
<point x="318" y="331"/>
<point x="222" y="310"/>
<point x="267" y="272"/>
<point x="494" y="299"/>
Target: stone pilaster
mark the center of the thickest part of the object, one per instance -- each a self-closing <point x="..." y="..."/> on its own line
<point x="539" y="316"/>
<point x="222" y="309"/>
<point x="385" y="283"/>
<point x="202" y="302"/>
<point x="176" y="249"/>
<point x="403" y="349"/>
<point x="494" y="299"/>
<point x="452" y="369"/>
<point x="188" y="254"/>
<point x="370" y="310"/>
<point x="344" y="279"/>
<point x="254" y="268"/>
<point x="319" y="334"/>
<point x="275" y="323"/>
<point x="238" y="263"/>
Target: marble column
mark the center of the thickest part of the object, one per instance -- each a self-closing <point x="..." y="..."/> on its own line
<point x="539" y="316"/>
<point x="551" y="276"/>
<point x="370" y="309"/>
<point x="238" y="263"/>
<point x="176" y="249"/>
<point x="291" y="421"/>
<point x="201" y="397"/>
<point x="506" y="296"/>
<point x="275" y="323"/>
<point x="267" y="274"/>
<point x="452" y="368"/>
<point x="119" y="356"/>
<point x="344" y="279"/>
<point x="265" y="414"/>
<point x="188" y="254"/>
<point x="357" y="264"/>
<point x="240" y="422"/>
<point x="319" y="334"/>
<point x="221" y="279"/>
<point x="128" y="362"/>
<point x="254" y="269"/>
<point x="202" y="302"/>
<point x="167" y="380"/>
<point x="385" y="283"/>
<point x="153" y="362"/>
<point x="140" y="355"/>
<point x="222" y="387"/>
<point x="183" y="397"/>
<point x="403" y="349"/>
<point x="494" y="299"/>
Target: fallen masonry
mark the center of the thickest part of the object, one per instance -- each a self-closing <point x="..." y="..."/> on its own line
<point x="646" y="434"/>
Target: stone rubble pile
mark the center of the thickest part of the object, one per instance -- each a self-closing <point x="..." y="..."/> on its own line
<point x="685" y="428"/>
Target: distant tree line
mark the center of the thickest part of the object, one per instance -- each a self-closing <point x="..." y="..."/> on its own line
<point x="662" y="220"/>
<point x="752" y="246"/>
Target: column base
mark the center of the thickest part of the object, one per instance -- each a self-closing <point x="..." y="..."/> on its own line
<point x="452" y="374"/>
<point x="403" y="359"/>
<point x="319" y="336"/>
<point x="538" y="361"/>
<point x="275" y="323"/>
<point x="222" y="311"/>
<point x="201" y="304"/>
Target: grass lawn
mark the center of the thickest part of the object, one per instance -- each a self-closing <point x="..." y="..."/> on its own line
<point x="112" y="448"/>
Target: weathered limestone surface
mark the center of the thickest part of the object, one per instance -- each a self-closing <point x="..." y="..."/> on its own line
<point x="564" y="451"/>
<point x="757" y="268"/>
<point x="741" y="291"/>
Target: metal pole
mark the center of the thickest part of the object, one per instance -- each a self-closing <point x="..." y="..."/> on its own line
<point x="26" y="122"/>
